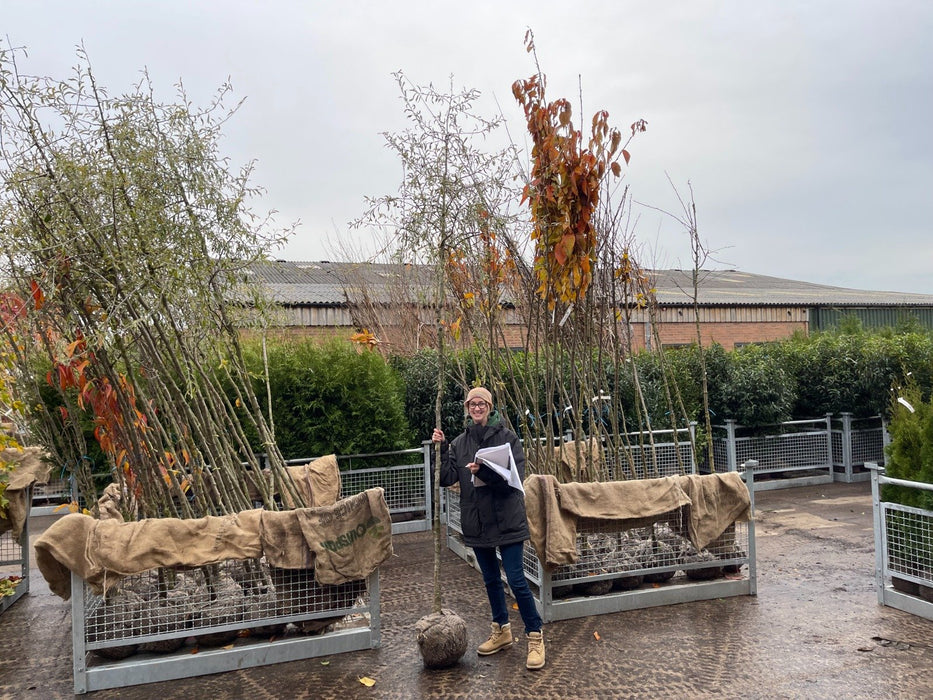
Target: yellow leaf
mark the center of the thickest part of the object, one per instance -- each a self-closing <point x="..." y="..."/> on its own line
<point x="325" y="663"/>
<point x="596" y="634"/>
<point x="514" y="606"/>
<point x="367" y="681"/>
<point x="228" y="646"/>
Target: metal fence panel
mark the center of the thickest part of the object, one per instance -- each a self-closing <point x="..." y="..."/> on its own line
<point x="800" y="450"/>
<point x="903" y="549"/>
<point x="855" y="442"/>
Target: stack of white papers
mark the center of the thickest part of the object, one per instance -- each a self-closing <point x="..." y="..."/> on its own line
<point x="501" y="461"/>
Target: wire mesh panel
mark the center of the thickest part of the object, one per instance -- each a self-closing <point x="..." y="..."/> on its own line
<point x="406" y="493"/>
<point x="648" y="461"/>
<point x="14" y="567"/>
<point x="794" y="446"/>
<point x="407" y="486"/>
<point x="48" y="498"/>
<point x="236" y="614"/>
<point x="856" y="441"/>
<point x="867" y="445"/>
<point x="786" y="452"/>
<point x="909" y="542"/>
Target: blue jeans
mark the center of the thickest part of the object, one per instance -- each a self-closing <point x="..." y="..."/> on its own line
<point x="515" y="574"/>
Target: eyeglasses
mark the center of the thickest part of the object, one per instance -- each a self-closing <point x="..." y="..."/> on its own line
<point x="476" y="404"/>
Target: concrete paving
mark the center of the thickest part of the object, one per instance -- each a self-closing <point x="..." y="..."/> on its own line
<point x="815" y="630"/>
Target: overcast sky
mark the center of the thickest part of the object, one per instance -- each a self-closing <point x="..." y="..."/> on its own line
<point x="803" y="126"/>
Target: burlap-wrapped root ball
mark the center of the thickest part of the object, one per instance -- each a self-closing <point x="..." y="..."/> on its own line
<point x="442" y="638"/>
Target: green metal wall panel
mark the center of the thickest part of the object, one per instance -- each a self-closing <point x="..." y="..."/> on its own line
<point x="828" y="318"/>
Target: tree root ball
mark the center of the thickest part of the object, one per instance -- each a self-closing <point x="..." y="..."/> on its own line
<point x="442" y="638"/>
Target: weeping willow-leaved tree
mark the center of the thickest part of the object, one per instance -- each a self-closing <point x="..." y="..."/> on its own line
<point x="448" y="182"/>
<point x="125" y="237"/>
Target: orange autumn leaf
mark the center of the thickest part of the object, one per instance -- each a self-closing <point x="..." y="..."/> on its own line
<point x="365" y="337"/>
<point x="38" y="298"/>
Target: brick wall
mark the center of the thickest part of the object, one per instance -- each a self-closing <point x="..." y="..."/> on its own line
<point x="725" y="333"/>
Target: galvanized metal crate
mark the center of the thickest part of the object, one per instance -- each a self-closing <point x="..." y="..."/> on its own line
<point x="630" y="569"/>
<point x="237" y="614"/>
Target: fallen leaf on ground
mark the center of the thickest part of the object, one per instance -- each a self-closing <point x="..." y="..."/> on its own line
<point x="596" y="634"/>
<point x="367" y="681"/>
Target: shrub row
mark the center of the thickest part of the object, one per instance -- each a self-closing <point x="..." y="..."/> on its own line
<point x="335" y="398"/>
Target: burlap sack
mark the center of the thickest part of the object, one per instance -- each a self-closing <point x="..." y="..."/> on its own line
<point x="553" y="533"/>
<point x="351" y="538"/>
<point x="108" y="505"/>
<point x="579" y="460"/>
<point x="711" y="504"/>
<point x="130" y="548"/>
<point x="346" y="541"/>
<point x="62" y="548"/>
<point x="318" y="482"/>
<point x="29" y="467"/>
<point x="103" y="551"/>
<point x="716" y="501"/>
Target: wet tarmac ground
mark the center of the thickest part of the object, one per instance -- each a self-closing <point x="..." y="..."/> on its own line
<point x="815" y="630"/>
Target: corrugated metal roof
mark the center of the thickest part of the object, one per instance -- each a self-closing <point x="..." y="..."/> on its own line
<point x="736" y="288"/>
<point x="323" y="284"/>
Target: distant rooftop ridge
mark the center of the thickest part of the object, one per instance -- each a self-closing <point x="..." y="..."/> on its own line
<point x="322" y="282"/>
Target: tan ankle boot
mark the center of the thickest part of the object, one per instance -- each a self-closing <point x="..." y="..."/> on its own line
<point x="500" y="638"/>
<point x="535" y="651"/>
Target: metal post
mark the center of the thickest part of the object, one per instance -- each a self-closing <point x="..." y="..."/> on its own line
<point x="692" y="427"/>
<point x="375" y="605"/>
<point x="730" y="445"/>
<point x="78" y="628"/>
<point x="427" y="446"/>
<point x="829" y="443"/>
<point x="878" y="525"/>
<point x="885" y="438"/>
<point x="847" y="444"/>
<point x="24" y="549"/>
<point x="749" y="466"/>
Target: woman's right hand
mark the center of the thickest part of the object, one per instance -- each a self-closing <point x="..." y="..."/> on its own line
<point x="437" y="435"/>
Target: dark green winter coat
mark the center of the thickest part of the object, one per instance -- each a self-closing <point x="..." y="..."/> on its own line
<point x="491" y="515"/>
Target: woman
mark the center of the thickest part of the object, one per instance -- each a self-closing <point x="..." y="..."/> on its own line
<point x="492" y="516"/>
